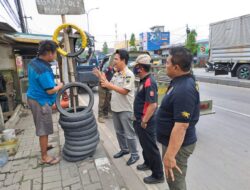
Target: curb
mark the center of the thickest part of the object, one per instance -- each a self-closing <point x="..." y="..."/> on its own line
<point x="224" y="81"/>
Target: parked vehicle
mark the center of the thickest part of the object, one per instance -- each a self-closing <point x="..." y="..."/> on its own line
<point x="230" y="47"/>
<point x="209" y="67"/>
<point x="85" y="75"/>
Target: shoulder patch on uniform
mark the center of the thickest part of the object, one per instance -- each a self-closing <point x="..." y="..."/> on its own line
<point x="148" y="83"/>
<point x="185" y="114"/>
<point x="128" y="79"/>
<point x="197" y="86"/>
<point x="152" y="93"/>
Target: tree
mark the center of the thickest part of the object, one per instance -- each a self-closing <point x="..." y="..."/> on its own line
<point x="132" y="42"/>
<point x="191" y="42"/>
<point x="105" y="48"/>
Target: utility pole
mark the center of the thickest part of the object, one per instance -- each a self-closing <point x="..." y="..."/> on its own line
<point x="126" y="44"/>
<point x="116" y="32"/>
<point x="26" y="22"/>
<point x="187" y="30"/>
<point x="20" y="14"/>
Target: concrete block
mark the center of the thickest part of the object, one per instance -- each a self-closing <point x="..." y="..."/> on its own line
<point x="94" y="175"/>
<point x="70" y="181"/>
<point x="2" y="177"/>
<point x="18" y="177"/>
<point x="95" y="186"/>
<point x="26" y="185"/>
<point x="52" y="186"/>
<point x="9" y="179"/>
<point x="85" y="177"/>
<point x="50" y="179"/>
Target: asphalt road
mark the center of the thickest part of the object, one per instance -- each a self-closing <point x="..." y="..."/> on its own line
<point x="221" y="160"/>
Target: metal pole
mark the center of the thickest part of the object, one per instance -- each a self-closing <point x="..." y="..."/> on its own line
<point x="88" y="20"/>
<point x="70" y="63"/>
<point x="20" y="14"/>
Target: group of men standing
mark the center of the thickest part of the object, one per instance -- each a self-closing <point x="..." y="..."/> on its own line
<point x="135" y="113"/>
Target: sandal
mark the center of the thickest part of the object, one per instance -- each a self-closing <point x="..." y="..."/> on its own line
<point x="50" y="147"/>
<point x="52" y="161"/>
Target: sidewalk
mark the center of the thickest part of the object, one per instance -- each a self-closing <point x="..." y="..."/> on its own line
<point x="209" y="77"/>
<point x="24" y="172"/>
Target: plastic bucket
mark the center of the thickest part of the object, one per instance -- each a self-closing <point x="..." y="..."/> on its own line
<point x="9" y="134"/>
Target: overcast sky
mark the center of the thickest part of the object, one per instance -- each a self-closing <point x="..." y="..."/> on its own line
<point x="136" y="16"/>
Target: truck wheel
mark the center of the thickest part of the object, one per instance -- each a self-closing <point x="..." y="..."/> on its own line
<point x="243" y="72"/>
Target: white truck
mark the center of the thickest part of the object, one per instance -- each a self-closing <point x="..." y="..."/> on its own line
<point x="229" y="42"/>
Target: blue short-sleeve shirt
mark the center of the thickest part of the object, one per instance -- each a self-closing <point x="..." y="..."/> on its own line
<point x="181" y="103"/>
<point x="41" y="79"/>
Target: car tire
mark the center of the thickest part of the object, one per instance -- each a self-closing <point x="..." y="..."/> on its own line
<point x="82" y="133"/>
<point x="76" y="158"/>
<point x="77" y="153"/>
<point x="77" y="114"/>
<point x="84" y="142"/>
<point x="79" y="124"/>
<point x="83" y="138"/>
<point x="77" y="118"/>
<point x="88" y="147"/>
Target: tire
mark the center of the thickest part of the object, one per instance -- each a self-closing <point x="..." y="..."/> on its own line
<point x="88" y="147"/>
<point x="77" y="114"/>
<point x="243" y="72"/>
<point x="84" y="142"/>
<point x="77" y="124"/>
<point x="74" y="119"/>
<point x="80" y="129"/>
<point x="76" y="158"/>
<point x="76" y="153"/>
<point x="83" y="138"/>
<point x="82" y="133"/>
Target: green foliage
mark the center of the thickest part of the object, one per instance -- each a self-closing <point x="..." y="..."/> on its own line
<point x="191" y="42"/>
<point x="132" y="41"/>
<point x="105" y="48"/>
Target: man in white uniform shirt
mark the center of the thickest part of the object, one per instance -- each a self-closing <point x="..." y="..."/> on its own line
<point x="122" y="86"/>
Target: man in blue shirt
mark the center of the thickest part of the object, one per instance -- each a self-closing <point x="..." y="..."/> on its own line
<point x="177" y="116"/>
<point x="42" y="94"/>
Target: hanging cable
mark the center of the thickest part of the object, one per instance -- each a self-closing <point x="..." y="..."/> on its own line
<point x="12" y="11"/>
<point x="10" y="15"/>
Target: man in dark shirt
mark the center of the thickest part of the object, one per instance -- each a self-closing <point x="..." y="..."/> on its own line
<point x="177" y="116"/>
<point x="145" y="105"/>
<point x="104" y="107"/>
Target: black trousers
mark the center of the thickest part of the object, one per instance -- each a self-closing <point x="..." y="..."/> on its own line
<point x="150" y="151"/>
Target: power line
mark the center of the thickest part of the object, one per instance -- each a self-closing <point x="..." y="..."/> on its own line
<point x="12" y="11"/>
<point x="20" y="14"/>
<point x="10" y="15"/>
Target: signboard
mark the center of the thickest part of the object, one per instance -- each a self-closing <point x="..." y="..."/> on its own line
<point x="203" y="50"/>
<point x="19" y="65"/>
<point x="154" y="40"/>
<point x="60" y="7"/>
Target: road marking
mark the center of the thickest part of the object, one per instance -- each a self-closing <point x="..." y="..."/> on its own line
<point x="229" y="110"/>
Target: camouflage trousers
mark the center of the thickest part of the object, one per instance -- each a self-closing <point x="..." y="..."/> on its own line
<point x="104" y="101"/>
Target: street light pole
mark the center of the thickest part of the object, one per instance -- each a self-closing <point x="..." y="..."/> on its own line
<point x="87" y="13"/>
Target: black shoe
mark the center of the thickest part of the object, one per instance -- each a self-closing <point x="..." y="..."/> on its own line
<point x="153" y="180"/>
<point x="132" y="160"/>
<point x="142" y="167"/>
<point x="120" y="154"/>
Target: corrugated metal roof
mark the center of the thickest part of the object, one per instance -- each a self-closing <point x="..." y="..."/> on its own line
<point x="28" y="38"/>
<point x="5" y="27"/>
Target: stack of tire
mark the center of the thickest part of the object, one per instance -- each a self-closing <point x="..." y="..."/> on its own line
<point x="80" y="127"/>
